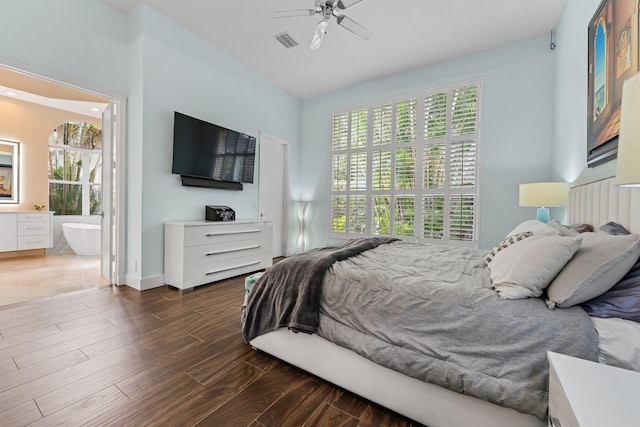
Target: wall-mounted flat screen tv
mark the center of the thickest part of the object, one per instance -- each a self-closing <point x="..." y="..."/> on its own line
<point x="212" y="152"/>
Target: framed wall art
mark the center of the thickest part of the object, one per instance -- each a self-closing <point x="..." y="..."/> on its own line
<point x="613" y="53"/>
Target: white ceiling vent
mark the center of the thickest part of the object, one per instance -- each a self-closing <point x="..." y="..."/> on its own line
<point x="286" y="40"/>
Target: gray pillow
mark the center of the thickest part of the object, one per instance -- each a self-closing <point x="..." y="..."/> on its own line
<point x="523" y="270"/>
<point x="614" y="228"/>
<point x="600" y="263"/>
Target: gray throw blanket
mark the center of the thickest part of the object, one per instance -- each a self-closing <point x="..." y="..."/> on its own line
<point x="288" y="294"/>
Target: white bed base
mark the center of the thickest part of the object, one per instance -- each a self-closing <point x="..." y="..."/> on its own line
<point x="426" y="403"/>
<point x="595" y="203"/>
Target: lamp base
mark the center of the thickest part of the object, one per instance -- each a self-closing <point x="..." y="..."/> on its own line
<point x="542" y="215"/>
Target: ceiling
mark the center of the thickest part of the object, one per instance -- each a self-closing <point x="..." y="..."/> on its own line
<point x="27" y="88"/>
<point x="407" y="34"/>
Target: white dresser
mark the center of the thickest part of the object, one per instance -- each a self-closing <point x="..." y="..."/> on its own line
<point x="200" y="252"/>
<point x="589" y="394"/>
<point x="25" y="230"/>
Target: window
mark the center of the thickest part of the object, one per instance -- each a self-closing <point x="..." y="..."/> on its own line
<point x="408" y="167"/>
<point x="75" y="169"/>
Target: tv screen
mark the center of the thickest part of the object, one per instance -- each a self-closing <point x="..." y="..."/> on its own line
<point x="205" y="150"/>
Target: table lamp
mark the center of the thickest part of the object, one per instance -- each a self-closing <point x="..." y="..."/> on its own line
<point x="542" y="195"/>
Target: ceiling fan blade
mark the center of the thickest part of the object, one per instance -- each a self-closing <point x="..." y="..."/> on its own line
<point x="354" y="27"/>
<point x="343" y="4"/>
<point x="291" y="13"/>
<point x="318" y="35"/>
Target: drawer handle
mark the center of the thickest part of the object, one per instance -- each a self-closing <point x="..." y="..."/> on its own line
<point x="233" y="250"/>
<point x="225" y="233"/>
<point x="232" y="268"/>
<point x="33" y="228"/>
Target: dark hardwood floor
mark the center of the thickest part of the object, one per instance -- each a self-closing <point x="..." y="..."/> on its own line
<point x="113" y="356"/>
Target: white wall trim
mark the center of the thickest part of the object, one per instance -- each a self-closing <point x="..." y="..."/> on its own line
<point x="143" y="284"/>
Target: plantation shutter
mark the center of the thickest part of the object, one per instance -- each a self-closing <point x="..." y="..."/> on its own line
<point x="408" y="167"/>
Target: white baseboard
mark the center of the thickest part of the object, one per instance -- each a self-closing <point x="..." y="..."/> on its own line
<point x="142" y="284"/>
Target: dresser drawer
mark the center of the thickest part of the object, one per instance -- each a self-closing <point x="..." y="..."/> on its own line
<point x="33" y="228"/>
<point x="205" y="254"/>
<point x="34" y="217"/>
<point x="203" y="235"/>
<point x="218" y="270"/>
<point x="33" y="242"/>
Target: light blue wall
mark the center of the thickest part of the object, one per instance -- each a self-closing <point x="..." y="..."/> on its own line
<point x="569" y="149"/>
<point x="516" y="133"/>
<point x="82" y="41"/>
<point x="160" y="67"/>
<point x="180" y="72"/>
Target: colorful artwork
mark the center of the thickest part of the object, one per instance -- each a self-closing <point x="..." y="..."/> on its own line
<point x="623" y="50"/>
<point x="613" y="58"/>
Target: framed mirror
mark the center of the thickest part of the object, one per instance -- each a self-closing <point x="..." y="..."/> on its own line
<point x="9" y="164"/>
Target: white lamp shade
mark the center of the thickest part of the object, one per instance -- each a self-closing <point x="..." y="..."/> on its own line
<point x="539" y="194"/>
<point x="628" y="173"/>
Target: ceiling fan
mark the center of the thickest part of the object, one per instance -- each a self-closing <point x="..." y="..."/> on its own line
<point x="327" y="8"/>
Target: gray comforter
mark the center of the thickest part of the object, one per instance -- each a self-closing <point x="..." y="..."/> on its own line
<point x="429" y="312"/>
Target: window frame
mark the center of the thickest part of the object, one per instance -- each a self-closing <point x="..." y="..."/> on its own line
<point x="419" y="145"/>
<point x="84" y="183"/>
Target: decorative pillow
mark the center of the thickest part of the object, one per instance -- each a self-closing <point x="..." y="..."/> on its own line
<point x="526" y="269"/>
<point x="536" y="227"/>
<point x="510" y="240"/>
<point x="623" y="300"/>
<point x="563" y="229"/>
<point x="614" y="228"/>
<point x="599" y="264"/>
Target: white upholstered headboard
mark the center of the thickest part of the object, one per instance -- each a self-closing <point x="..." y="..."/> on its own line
<point x="599" y="202"/>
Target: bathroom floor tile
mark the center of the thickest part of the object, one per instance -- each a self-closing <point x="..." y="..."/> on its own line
<point x="29" y="278"/>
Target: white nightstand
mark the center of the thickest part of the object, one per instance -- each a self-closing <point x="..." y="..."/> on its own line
<point x="585" y="394"/>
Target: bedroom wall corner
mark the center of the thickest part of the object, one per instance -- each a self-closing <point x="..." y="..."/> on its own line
<point x="568" y="150"/>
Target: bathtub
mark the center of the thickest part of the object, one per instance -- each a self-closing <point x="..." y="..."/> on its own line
<point x="84" y="239"/>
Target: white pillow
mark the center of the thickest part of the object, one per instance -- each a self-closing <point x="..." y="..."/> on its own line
<point x="538" y="228"/>
<point x="526" y="269"/>
<point x="619" y="342"/>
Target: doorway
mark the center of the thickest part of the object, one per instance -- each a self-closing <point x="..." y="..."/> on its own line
<point x="274" y="189"/>
<point x="112" y="257"/>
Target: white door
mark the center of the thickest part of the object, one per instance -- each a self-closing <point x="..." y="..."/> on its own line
<point x="108" y="143"/>
<point x="273" y="191"/>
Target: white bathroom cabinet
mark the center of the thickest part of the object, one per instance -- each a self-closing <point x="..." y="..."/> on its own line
<point x="200" y="252"/>
<point x="25" y="230"/>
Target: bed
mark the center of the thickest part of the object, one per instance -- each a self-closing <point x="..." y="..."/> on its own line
<point x="347" y="348"/>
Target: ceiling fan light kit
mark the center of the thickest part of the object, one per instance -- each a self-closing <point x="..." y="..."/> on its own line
<point x="327" y="8"/>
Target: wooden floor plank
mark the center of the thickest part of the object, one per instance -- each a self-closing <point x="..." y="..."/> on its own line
<point x="193" y="408"/>
<point x="21" y="415"/>
<point x="297" y="404"/>
<point x="114" y="356"/>
<point x="85" y="336"/>
<point x="84" y="411"/>
<point x="247" y="405"/>
<point x="328" y="415"/>
<point x="41" y="370"/>
<point x="29" y="336"/>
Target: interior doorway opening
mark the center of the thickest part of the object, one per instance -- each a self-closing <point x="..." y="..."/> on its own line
<point x="38" y="92"/>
